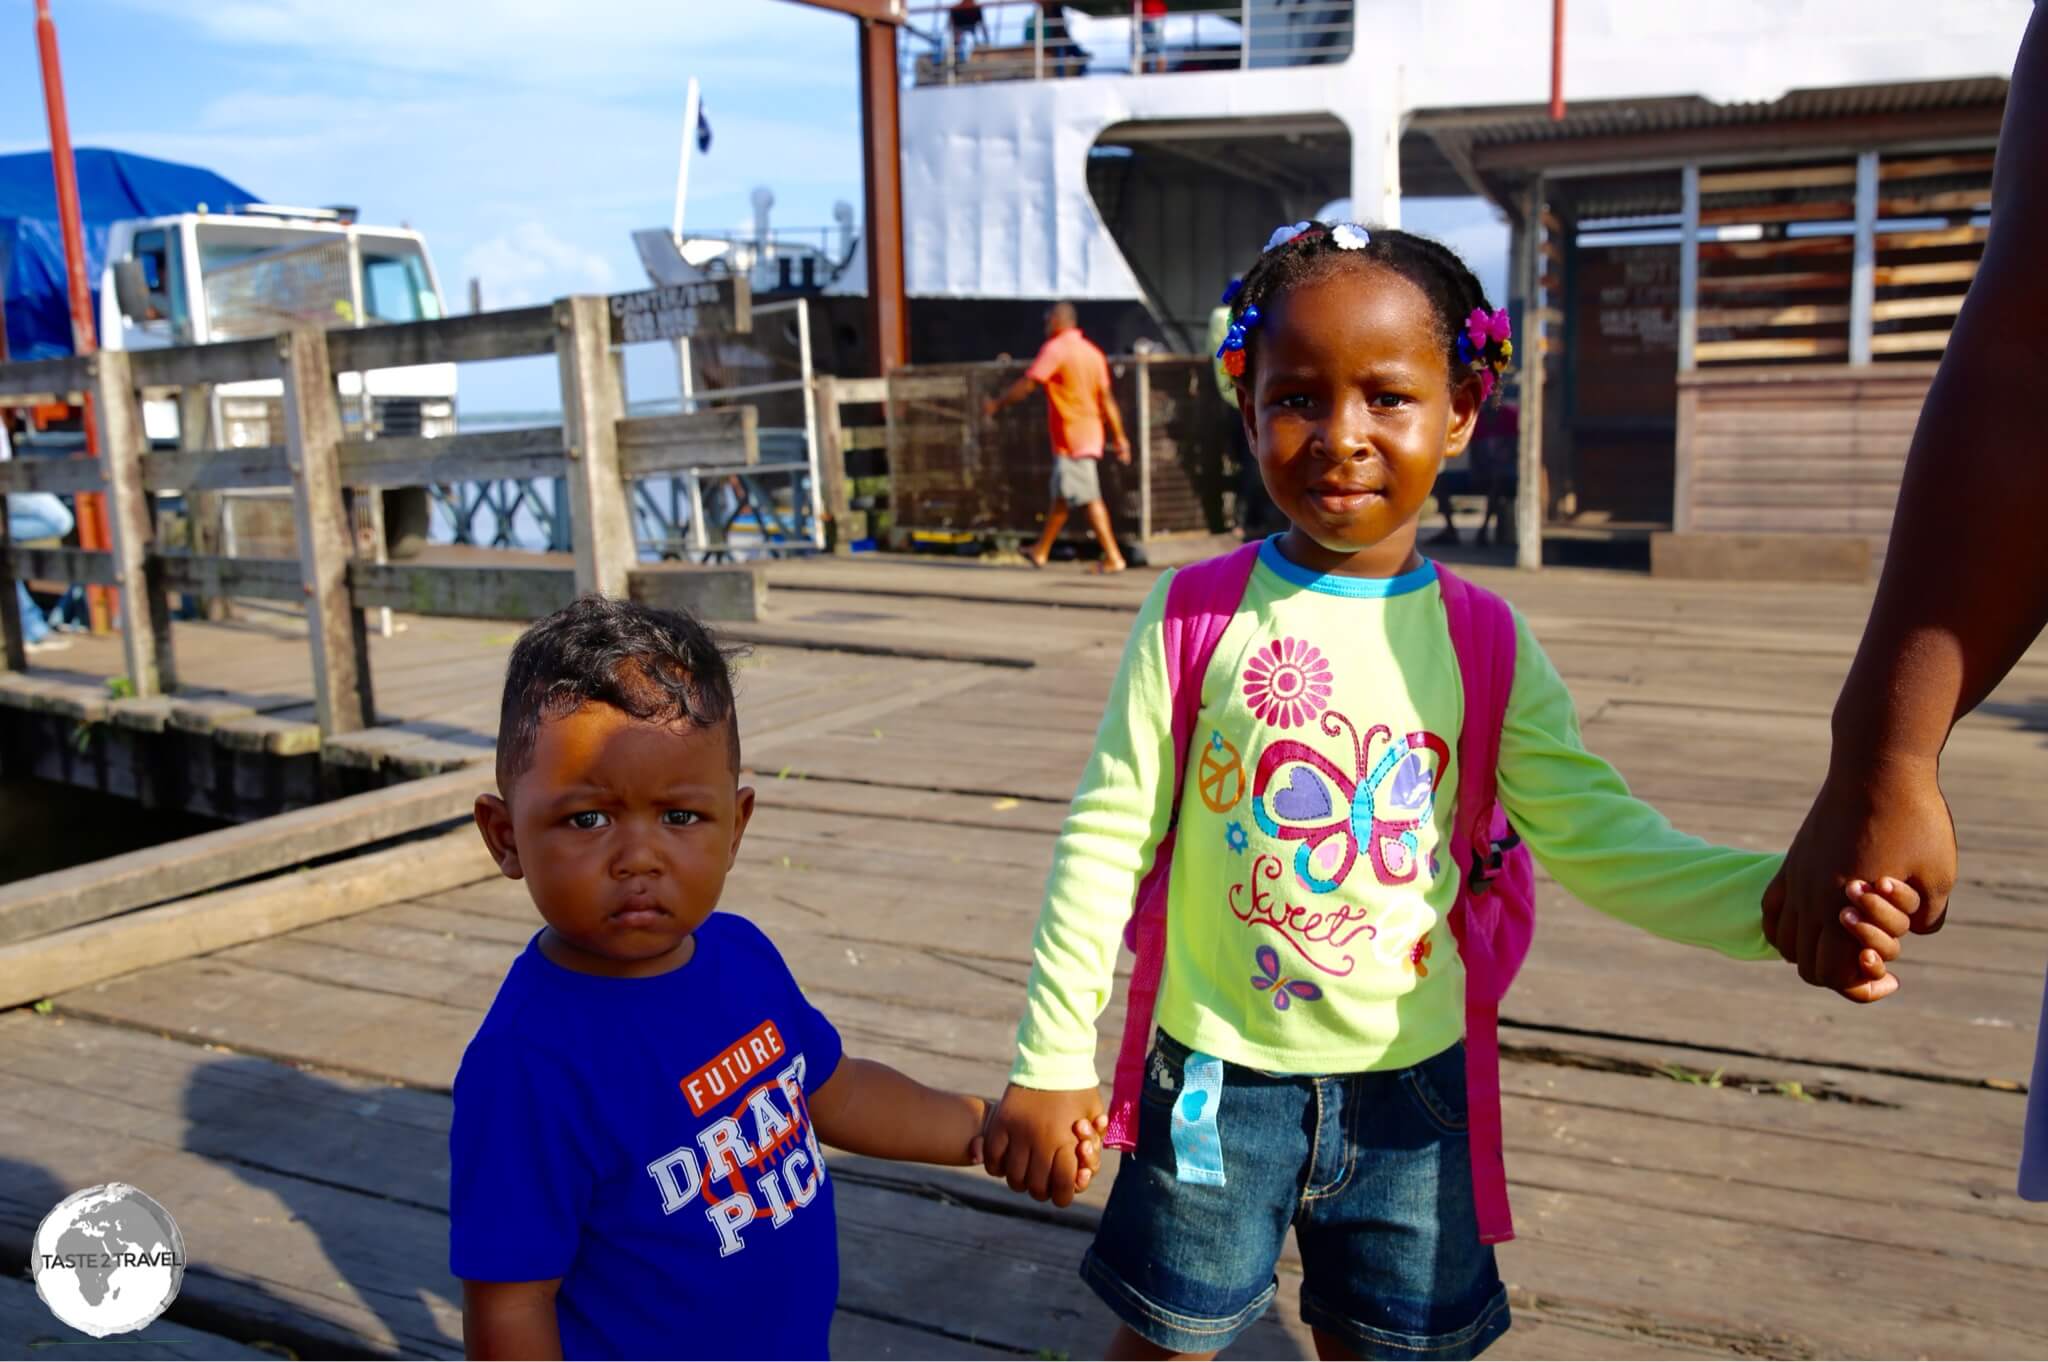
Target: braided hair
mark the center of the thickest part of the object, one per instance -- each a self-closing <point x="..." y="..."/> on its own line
<point x="1316" y="249"/>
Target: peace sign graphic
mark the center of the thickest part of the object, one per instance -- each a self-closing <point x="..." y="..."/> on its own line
<point x="1220" y="775"/>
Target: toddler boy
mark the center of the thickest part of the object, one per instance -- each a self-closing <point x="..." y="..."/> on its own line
<point x="635" y="1150"/>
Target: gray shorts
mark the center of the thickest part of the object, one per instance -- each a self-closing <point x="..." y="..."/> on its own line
<point x="1075" y="481"/>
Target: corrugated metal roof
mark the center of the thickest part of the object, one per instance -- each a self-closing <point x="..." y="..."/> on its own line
<point x="1479" y="127"/>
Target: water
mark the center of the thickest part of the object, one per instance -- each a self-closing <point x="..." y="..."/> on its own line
<point x="54" y="827"/>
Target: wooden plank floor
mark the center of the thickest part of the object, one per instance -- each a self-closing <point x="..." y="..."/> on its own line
<point x="1709" y="1159"/>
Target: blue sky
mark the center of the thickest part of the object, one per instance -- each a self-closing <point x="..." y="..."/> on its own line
<point x="526" y="138"/>
<point x="527" y="145"/>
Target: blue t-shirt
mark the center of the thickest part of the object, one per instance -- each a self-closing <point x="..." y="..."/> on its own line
<point x="648" y="1141"/>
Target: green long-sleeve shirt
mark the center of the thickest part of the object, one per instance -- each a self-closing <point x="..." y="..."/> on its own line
<point x="1219" y="327"/>
<point x="1311" y="885"/>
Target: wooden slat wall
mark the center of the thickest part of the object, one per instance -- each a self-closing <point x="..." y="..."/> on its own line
<point x="1818" y="450"/>
<point x="1785" y="300"/>
<point x="1922" y="274"/>
<point x="1778" y="300"/>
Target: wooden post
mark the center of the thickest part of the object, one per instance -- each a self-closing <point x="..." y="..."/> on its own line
<point x="13" y="642"/>
<point x="368" y="504"/>
<point x="207" y="509"/>
<point x="1682" y="457"/>
<point x="142" y="612"/>
<point x="341" y="645"/>
<point x="1688" y="348"/>
<point x="1530" y="353"/>
<point x="972" y="427"/>
<point x="833" y="488"/>
<point x="1863" y="275"/>
<point x="1143" y="452"/>
<point x="591" y="408"/>
<point x="1689" y="271"/>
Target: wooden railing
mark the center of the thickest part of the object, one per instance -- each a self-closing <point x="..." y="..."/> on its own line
<point x="596" y="449"/>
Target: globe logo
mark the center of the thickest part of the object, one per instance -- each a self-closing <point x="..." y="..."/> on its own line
<point x="108" y="1260"/>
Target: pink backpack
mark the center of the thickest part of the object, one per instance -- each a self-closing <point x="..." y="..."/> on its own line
<point x="1495" y="914"/>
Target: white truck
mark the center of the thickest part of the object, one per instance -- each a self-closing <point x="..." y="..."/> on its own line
<point x="255" y="269"/>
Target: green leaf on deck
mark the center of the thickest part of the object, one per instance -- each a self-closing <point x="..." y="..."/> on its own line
<point x="1681" y="1074"/>
<point x="44" y="1007"/>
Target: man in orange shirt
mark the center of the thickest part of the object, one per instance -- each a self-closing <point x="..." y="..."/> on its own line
<point x="1078" y="406"/>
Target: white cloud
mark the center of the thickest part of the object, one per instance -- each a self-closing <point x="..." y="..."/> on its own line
<point x="530" y="264"/>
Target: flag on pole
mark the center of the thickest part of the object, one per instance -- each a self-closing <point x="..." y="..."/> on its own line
<point x="703" y="130"/>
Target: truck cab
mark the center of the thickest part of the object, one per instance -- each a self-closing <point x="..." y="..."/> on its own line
<point x="256" y="269"/>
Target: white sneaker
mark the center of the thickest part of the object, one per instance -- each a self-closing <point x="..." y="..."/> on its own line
<point x="48" y="645"/>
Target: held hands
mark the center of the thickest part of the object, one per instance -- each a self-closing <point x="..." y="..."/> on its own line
<point x="1045" y="1143"/>
<point x="1891" y="814"/>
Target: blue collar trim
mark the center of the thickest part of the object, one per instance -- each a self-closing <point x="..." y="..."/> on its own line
<point x="1333" y="584"/>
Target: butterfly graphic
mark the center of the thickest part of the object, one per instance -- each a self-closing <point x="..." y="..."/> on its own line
<point x="1300" y="795"/>
<point x="1285" y="991"/>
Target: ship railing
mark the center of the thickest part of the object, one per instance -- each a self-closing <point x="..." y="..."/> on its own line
<point x="1013" y="42"/>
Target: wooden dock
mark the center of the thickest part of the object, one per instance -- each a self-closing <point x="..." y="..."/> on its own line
<point x="1708" y="1158"/>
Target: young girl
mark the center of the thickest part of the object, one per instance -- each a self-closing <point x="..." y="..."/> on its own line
<point x="1309" y="1067"/>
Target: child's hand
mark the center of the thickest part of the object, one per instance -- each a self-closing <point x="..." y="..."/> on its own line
<point x="1037" y="1141"/>
<point x="1877" y="916"/>
<point x="1088" y="1149"/>
<point x="1087" y="1145"/>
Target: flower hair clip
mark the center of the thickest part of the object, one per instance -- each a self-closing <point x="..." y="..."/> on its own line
<point x="1349" y="236"/>
<point x="1231" y="352"/>
<point x="1282" y="235"/>
<point x="1486" y="344"/>
<point x="1480" y="328"/>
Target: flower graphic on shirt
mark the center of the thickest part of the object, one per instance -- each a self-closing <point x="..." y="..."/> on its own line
<point x="1236" y="838"/>
<point x="1420" y="954"/>
<point x="1287" y="683"/>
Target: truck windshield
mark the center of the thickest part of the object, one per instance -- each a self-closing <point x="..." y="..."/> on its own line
<point x="260" y="280"/>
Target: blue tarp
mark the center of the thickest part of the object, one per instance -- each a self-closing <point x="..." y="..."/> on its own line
<point x="112" y="185"/>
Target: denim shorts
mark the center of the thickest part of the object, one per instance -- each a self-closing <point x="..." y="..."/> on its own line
<point x="1371" y="1169"/>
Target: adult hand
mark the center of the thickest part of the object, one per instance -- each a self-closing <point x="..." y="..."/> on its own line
<point x="1031" y="1143"/>
<point x="989" y="407"/>
<point x="1882" y="818"/>
<point x="1123" y="451"/>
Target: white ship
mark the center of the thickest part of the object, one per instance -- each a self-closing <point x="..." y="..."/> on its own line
<point x="1136" y="172"/>
<point x="1790" y="183"/>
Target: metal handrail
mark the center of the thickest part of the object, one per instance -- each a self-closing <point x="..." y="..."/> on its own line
<point x="1248" y="35"/>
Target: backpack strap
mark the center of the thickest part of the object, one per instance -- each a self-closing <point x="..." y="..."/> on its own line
<point x="1483" y="634"/>
<point x="1200" y="602"/>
